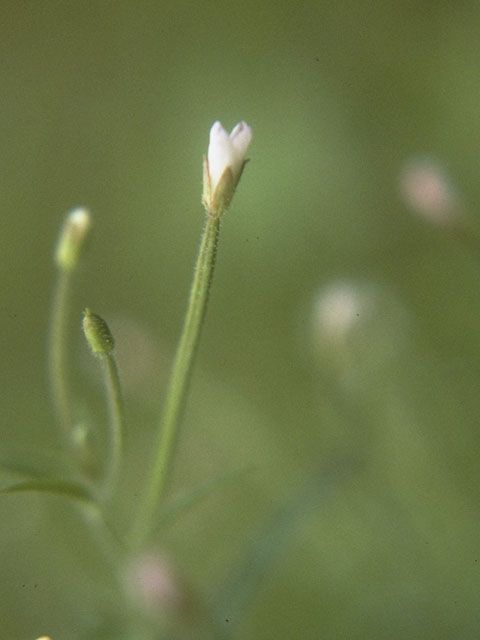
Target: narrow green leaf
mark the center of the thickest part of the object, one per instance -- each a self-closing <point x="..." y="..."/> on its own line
<point x="270" y="543"/>
<point x="34" y="462"/>
<point x="59" y="487"/>
<point x="185" y="499"/>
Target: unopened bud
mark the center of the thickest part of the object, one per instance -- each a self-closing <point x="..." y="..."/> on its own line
<point x="337" y="310"/>
<point x="358" y="329"/>
<point x="223" y="166"/>
<point x="427" y="189"/>
<point x="71" y="240"/>
<point x="97" y="333"/>
<point x="152" y="582"/>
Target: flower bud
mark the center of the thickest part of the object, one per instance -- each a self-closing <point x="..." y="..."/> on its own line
<point x="223" y="166"/>
<point x="97" y="333"/>
<point x="358" y="329"/>
<point x="427" y="190"/>
<point x="72" y="238"/>
<point x="154" y="585"/>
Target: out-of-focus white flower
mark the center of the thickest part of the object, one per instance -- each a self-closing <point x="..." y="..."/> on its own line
<point x="223" y="166"/>
<point x="427" y="189"/>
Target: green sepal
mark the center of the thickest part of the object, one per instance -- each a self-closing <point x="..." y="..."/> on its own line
<point x="207" y="186"/>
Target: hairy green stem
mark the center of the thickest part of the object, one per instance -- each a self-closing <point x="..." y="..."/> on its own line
<point x="58" y="370"/>
<point x="177" y="389"/>
<point x="117" y="424"/>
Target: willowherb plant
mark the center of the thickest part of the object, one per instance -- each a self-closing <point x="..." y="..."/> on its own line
<point x="223" y="166"/>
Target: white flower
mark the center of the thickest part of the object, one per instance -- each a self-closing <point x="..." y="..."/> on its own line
<point x="227" y="151"/>
<point x="223" y="165"/>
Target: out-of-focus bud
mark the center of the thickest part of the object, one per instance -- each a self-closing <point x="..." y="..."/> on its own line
<point x="154" y="585"/>
<point x="357" y="329"/>
<point x="337" y="309"/>
<point x="223" y="166"/>
<point x="72" y="237"/>
<point x="426" y="188"/>
<point x="44" y="638"/>
<point x="97" y="333"/>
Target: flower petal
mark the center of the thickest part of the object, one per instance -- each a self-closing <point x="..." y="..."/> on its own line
<point x="219" y="153"/>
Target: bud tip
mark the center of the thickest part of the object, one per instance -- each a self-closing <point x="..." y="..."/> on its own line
<point x="97" y="333"/>
<point x="71" y="240"/>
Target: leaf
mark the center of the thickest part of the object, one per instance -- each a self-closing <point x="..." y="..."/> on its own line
<point x="185" y="499"/>
<point x="270" y="543"/>
<point x="34" y="461"/>
<point x="58" y="487"/>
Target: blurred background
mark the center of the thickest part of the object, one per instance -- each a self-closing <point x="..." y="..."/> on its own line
<point x="338" y="372"/>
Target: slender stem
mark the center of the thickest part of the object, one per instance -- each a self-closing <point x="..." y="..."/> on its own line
<point x="177" y="389"/>
<point x="58" y="370"/>
<point x="117" y="424"/>
<point x="107" y="540"/>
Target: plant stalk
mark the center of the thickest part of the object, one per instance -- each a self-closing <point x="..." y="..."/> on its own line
<point x="117" y="424"/>
<point x="178" y="385"/>
<point x="58" y="370"/>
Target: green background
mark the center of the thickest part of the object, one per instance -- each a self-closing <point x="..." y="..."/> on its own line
<point x="355" y="510"/>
